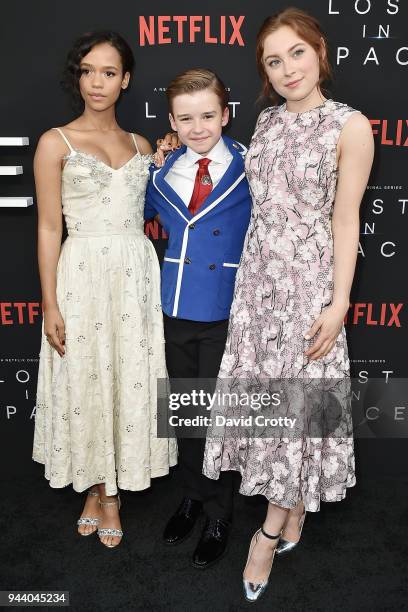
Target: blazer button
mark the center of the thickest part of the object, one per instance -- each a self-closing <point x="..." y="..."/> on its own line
<point x="212" y="267"/>
<point x="216" y="232"/>
<point x="187" y="260"/>
<point x="192" y="226"/>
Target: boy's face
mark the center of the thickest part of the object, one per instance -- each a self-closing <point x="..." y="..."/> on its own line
<point x="198" y="118"/>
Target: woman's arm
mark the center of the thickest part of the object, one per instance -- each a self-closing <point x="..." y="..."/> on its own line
<point x="356" y="152"/>
<point x="145" y="147"/>
<point x="355" y="161"/>
<point x="47" y="173"/>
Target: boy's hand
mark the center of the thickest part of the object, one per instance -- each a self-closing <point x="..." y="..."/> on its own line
<point x="169" y="143"/>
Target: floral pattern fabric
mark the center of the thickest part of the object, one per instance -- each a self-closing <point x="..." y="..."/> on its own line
<point x="96" y="408"/>
<point x="284" y="280"/>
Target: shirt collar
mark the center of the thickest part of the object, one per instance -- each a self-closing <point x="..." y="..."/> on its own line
<point x="218" y="154"/>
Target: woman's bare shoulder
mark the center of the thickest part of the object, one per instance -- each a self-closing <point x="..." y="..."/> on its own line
<point x="51" y="143"/>
<point x="143" y="144"/>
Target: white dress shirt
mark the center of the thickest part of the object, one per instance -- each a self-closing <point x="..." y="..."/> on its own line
<point x="182" y="174"/>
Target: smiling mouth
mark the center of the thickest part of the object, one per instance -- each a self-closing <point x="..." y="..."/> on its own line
<point x="293" y="83"/>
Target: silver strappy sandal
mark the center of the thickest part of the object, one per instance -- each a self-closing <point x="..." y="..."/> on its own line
<point x="108" y="531"/>
<point x="86" y="520"/>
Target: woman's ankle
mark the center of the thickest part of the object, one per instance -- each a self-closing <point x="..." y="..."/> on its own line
<point x="109" y="498"/>
<point x="268" y="541"/>
<point x="300" y="508"/>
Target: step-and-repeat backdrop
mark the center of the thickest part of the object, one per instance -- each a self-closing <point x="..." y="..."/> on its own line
<point x="369" y="52"/>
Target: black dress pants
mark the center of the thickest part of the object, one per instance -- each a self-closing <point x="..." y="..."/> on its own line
<point x="194" y="350"/>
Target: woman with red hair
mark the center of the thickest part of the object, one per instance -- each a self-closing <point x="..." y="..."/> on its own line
<point x="308" y="166"/>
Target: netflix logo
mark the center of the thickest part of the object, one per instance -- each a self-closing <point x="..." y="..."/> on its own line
<point x="386" y="315"/>
<point x="154" y="231"/>
<point x="19" y="313"/>
<point x="395" y="134"/>
<point x="179" y="29"/>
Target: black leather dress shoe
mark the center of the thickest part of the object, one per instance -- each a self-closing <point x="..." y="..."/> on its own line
<point x="182" y="522"/>
<point x="212" y="544"/>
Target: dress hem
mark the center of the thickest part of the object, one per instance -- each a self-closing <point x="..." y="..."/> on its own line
<point x="125" y="487"/>
<point x="274" y="501"/>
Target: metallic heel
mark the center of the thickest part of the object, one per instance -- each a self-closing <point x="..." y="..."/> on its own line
<point x="254" y="590"/>
<point x="286" y="546"/>
<point x="87" y="520"/>
<point x="108" y="531"/>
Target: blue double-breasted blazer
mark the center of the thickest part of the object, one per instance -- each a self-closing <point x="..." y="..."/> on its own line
<point x="200" y="263"/>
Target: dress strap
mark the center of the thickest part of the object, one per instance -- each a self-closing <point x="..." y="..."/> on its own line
<point x="65" y="139"/>
<point x="134" y="140"/>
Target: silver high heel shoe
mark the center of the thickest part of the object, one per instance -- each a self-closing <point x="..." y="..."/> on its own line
<point x="286" y="546"/>
<point x="87" y="520"/>
<point x="253" y="590"/>
<point x="108" y="531"/>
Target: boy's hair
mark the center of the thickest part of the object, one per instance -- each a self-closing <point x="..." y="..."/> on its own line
<point x="197" y="79"/>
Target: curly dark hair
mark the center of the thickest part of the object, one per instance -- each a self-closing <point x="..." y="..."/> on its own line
<point x="81" y="47"/>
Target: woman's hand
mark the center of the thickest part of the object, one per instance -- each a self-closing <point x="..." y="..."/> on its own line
<point x="329" y="325"/>
<point x="54" y="329"/>
<point x="169" y="143"/>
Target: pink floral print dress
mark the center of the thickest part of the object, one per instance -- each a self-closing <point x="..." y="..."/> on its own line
<point x="284" y="280"/>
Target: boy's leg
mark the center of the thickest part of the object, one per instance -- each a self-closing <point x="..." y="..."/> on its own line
<point x="216" y="494"/>
<point x="182" y="367"/>
<point x="182" y="363"/>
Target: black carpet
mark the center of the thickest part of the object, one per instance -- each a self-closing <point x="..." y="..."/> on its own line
<point x="353" y="554"/>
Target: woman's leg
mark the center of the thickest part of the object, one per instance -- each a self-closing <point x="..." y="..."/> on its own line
<point x="258" y="565"/>
<point x="91" y="510"/>
<point x="109" y="517"/>
<point x="291" y="531"/>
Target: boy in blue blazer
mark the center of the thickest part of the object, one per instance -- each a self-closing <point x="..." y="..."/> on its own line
<point x="201" y="198"/>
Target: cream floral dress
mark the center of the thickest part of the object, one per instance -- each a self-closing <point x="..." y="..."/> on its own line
<point x="284" y="280"/>
<point x="96" y="409"/>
